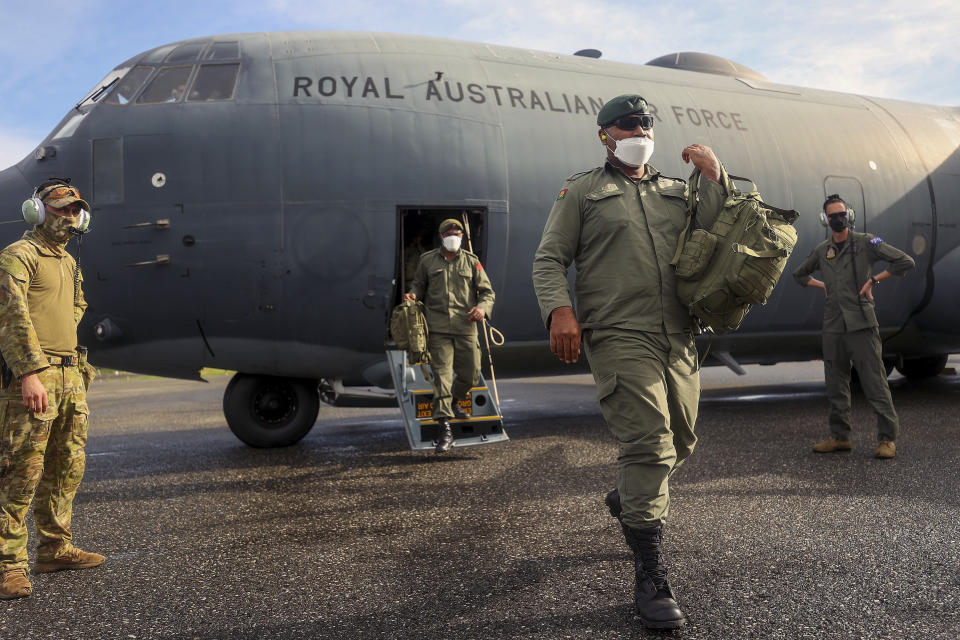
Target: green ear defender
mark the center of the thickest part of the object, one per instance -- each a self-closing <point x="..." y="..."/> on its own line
<point x="83" y="224"/>
<point x="34" y="212"/>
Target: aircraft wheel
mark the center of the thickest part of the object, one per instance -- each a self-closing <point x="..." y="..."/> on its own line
<point x="269" y="411"/>
<point x="925" y="367"/>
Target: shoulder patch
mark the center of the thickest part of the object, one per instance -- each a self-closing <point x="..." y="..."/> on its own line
<point x="876" y="240"/>
<point x="562" y="194"/>
<point x="479" y="266"/>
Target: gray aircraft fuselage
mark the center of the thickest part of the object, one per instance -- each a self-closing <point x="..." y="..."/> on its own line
<point x="254" y="226"/>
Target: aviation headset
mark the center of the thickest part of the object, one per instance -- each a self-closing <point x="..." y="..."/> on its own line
<point x="34" y="211"/>
<point x="851" y="214"/>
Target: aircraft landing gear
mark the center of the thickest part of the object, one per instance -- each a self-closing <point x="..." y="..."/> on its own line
<point x="925" y="367"/>
<point x="269" y="411"/>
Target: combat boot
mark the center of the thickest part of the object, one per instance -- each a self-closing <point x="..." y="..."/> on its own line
<point x="885" y="449"/>
<point x="653" y="596"/>
<point x="652" y="593"/>
<point x="831" y="444"/>
<point x="66" y="558"/>
<point x="14" y="584"/>
<point x="445" y="437"/>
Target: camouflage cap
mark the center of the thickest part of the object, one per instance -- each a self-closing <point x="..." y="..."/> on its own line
<point x="449" y="223"/>
<point x="621" y="106"/>
<point x="61" y="195"/>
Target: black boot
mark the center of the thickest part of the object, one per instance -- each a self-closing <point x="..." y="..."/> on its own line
<point x="445" y="437"/>
<point x="652" y="594"/>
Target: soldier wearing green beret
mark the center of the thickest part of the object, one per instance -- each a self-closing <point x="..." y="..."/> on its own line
<point x="456" y="295"/>
<point x="851" y="336"/>
<point x="619" y="224"/>
<point x="43" y="404"/>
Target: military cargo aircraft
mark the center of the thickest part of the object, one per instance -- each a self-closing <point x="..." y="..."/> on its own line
<point x="258" y="198"/>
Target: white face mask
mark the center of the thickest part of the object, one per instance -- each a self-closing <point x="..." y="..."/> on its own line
<point x="634" y="151"/>
<point x="452" y="243"/>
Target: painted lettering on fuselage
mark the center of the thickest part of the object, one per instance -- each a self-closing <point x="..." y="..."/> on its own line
<point x="382" y="88"/>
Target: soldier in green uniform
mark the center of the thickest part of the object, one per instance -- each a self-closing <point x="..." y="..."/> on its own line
<point x="850" y="329"/>
<point x="457" y="295"/>
<point x="43" y="406"/>
<point x="620" y="224"/>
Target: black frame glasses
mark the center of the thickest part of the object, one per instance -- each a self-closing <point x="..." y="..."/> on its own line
<point x="631" y="122"/>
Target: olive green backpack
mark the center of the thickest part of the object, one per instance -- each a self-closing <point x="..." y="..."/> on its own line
<point x="725" y="270"/>
<point x="408" y="326"/>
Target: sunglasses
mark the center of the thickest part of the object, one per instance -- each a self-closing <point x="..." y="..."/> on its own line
<point x="629" y="123"/>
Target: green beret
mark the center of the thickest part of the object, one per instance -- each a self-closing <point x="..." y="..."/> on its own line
<point x="620" y="106"/>
<point x="449" y="223"/>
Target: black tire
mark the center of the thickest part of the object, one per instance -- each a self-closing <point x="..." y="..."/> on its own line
<point x="925" y="367"/>
<point x="269" y="411"/>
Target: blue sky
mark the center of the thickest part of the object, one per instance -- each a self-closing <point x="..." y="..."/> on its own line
<point x="53" y="52"/>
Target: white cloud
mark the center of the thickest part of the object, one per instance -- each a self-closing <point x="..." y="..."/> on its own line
<point x="886" y="48"/>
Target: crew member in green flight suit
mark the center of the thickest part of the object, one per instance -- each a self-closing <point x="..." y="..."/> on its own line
<point x="850" y="329"/>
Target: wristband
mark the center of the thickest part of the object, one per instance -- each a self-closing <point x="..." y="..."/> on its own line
<point x="874" y="281"/>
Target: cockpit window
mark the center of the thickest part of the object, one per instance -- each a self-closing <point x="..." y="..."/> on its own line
<point x="186" y="52"/>
<point x="168" y="86"/>
<point x="105" y="85"/>
<point x="214" y="82"/>
<point x="124" y="90"/>
<point x="223" y="51"/>
<point x="157" y="55"/>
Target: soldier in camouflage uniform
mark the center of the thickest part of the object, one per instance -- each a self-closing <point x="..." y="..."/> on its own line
<point x="457" y="295"/>
<point x="850" y="329"/>
<point x="43" y="405"/>
<point x="620" y="224"/>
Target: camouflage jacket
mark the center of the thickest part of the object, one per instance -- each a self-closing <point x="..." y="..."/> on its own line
<point x="41" y="303"/>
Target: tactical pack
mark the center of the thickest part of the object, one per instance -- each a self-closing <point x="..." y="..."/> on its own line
<point x="724" y="270"/>
<point x="408" y="326"/>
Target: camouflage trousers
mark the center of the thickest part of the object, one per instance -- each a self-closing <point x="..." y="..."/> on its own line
<point x="648" y="387"/>
<point x="41" y="460"/>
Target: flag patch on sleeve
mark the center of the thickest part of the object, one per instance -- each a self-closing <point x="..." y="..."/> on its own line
<point x="876" y="240"/>
<point x="562" y="194"/>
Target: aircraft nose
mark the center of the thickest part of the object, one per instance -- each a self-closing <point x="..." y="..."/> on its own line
<point x="14" y="189"/>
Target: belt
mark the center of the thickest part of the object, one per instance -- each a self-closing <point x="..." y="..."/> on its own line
<point x="62" y="361"/>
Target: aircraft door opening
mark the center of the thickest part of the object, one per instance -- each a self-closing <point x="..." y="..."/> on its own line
<point x="417" y="233"/>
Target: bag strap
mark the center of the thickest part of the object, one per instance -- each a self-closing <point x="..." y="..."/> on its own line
<point x="769" y="253"/>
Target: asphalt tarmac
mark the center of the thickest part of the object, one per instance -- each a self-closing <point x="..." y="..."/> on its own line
<point x="349" y="535"/>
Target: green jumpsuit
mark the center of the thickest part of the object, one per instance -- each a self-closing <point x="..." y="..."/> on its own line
<point x="41" y="454"/>
<point x="850" y="328"/>
<point x="638" y="337"/>
<point x="448" y="290"/>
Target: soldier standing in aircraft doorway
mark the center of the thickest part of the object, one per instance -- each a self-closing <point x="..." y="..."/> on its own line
<point x="457" y="295"/>
<point x="620" y="224"/>
<point x="850" y="328"/>
<point x="43" y="403"/>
